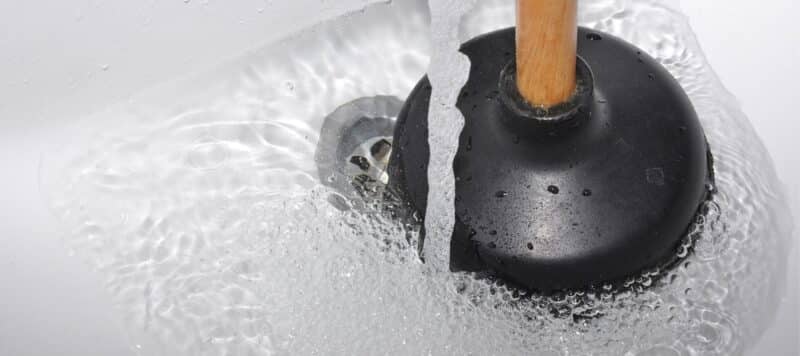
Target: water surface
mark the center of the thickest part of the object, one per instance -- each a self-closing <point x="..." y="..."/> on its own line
<point x="201" y="205"/>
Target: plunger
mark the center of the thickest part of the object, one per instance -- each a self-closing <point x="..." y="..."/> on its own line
<point x="582" y="160"/>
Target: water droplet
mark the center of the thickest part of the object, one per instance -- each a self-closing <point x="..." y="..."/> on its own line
<point x="594" y="37"/>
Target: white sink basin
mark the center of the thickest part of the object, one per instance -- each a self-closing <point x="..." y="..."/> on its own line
<point x="80" y="76"/>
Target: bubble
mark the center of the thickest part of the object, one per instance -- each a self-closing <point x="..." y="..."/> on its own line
<point x="204" y="214"/>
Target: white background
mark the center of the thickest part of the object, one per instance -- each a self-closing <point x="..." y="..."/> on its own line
<point x="52" y="59"/>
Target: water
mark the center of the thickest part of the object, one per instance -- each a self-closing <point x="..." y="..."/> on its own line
<point x="448" y="72"/>
<point x="200" y="204"/>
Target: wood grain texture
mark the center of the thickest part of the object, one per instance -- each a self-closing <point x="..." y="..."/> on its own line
<point x="547" y="35"/>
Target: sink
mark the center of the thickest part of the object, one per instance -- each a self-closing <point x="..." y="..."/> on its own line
<point x="203" y="224"/>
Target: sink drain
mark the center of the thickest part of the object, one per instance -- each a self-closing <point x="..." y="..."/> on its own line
<point x="355" y="145"/>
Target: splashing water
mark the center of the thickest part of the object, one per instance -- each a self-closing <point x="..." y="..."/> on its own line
<point x="200" y="204"/>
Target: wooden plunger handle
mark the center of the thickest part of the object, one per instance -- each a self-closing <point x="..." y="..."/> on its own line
<point x="547" y="35"/>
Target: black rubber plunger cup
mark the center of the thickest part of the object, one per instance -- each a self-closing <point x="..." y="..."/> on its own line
<point x="590" y="191"/>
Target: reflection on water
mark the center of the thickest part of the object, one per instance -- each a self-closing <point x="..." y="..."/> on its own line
<point x="202" y="207"/>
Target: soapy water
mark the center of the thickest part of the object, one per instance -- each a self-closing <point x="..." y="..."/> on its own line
<point x="200" y="204"/>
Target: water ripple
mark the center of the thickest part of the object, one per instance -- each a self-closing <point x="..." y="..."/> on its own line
<point x="202" y="208"/>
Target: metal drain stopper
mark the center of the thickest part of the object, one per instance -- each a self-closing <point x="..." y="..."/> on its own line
<point x="355" y="144"/>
